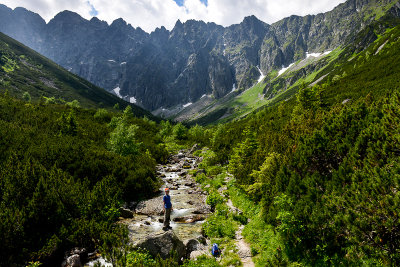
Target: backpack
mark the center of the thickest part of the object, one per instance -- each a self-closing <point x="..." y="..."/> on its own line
<point x="215" y="251"/>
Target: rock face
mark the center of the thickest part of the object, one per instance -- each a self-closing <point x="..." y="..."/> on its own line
<point x="164" y="244"/>
<point x="167" y="69"/>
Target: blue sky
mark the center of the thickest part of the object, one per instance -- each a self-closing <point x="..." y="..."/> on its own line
<point x="181" y="2"/>
<point x="151" y="14"/>
<point x="93" y="12"/>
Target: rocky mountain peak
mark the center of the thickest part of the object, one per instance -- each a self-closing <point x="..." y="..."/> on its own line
<point x="98" y="23"/>
<point x="119" y="23"/>
<point x="67" y="16"/>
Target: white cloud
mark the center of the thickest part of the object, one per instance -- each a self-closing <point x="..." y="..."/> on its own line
<point x="149" y="14"/>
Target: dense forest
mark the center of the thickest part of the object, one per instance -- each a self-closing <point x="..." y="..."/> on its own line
<point x="65" y="172"/>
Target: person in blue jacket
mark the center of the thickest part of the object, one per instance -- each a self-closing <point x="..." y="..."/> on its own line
<point x="167" y="210"/>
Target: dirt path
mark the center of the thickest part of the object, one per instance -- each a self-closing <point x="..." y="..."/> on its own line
<point x="244" y="251"/>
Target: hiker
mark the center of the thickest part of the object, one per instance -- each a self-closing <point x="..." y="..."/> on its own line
<point x="215" y="251"/>
<point x="167" y="209"/>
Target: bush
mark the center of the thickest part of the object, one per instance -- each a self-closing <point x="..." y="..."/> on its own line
<point x="241" y="218"/>
<point x="139" y="257"/>
<point x="213" y="199"/>
<point x="219" y="226"/>
<point x="101" y="114"/>
<point x="26" y="96"/>
<point x="73" y="104"/>
<point x="180" y="132"/>
<point x="202" y="261"/>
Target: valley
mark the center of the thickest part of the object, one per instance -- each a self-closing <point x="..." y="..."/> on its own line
<point x="279" y="143"/>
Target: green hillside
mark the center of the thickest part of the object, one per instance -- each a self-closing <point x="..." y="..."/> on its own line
<point x="318" y="174"/>
<point x="334" y="66"/>
<point x="23" y="70"/>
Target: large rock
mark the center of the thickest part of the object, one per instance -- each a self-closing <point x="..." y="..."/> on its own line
<point x="125" y="213"/>
<point x="74" y="261"/>
<point x="192" y="245"/>
<point x="75" y="257"/>
<point x="150" y="207"/>
<point x="163" y="244"/>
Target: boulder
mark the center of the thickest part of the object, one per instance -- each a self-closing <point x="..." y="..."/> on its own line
<point x="163" y="244"/>
<point x="74" y="261"/>
<point x="202" y="240"/>
<point x="75" y="257"/>
<point x="191" y="245"/>
<point x="125" y="213"/>
<point x="150" y="207"/>
<point x="197" y="253"/>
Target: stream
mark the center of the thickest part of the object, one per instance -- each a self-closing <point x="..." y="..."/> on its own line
<point x="188" y="203"/>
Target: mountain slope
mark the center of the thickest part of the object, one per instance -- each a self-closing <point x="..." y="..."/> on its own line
<point x="23" y="70"/>
<point x="169" y="69"/>
<point x="316" y="68"/>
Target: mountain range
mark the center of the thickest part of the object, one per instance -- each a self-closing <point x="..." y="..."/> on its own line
<point x="166" y="71"/>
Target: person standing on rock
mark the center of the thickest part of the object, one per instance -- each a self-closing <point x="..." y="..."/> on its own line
<point x="167" y="210"/>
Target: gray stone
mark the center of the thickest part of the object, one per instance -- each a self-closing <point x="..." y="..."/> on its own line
<point x="74" y="261"/>
<point x="202" y="240"/>
<point x="150" y="207"/>
<point x="191" y="245"/>
<point x="163" y="244"/>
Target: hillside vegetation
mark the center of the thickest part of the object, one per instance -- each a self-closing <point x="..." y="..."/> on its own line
<point x="65" y="172"/>
<point x="322" y="167"/>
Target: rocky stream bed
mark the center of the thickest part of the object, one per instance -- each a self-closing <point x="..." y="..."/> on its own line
<point x="145" y="219"/>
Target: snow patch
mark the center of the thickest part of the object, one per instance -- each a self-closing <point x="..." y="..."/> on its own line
<point x="317" y="54"/>
<point x="203" y="96"/>
<point x="187" y="104"/>
<point x="381" y="47"/>
<point x="123" y="63"/>
<point x="116" y="91"/>
<point x="262" y="76"/>
<point x="284" y="69"/>
<point x="312" y="54"/>
<point x="132" y="100"/>
<point x="111" y="60"/>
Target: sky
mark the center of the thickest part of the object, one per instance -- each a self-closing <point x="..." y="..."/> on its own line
<point x="150" y="14"/>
